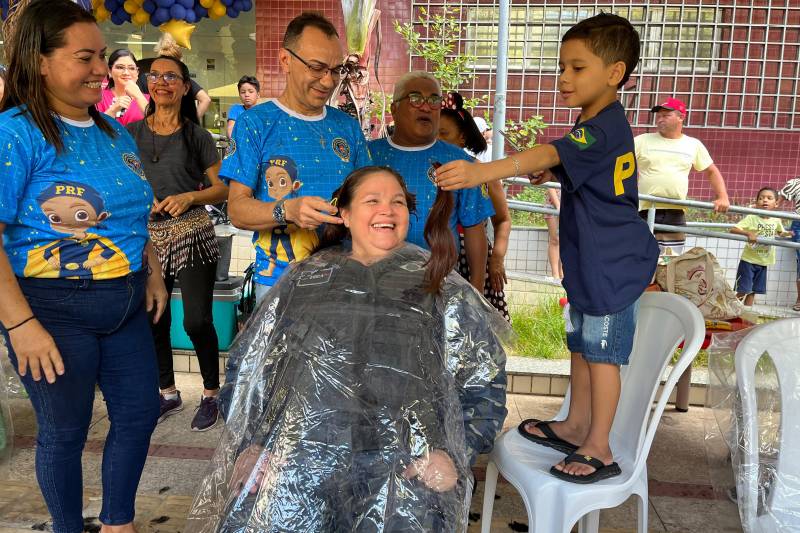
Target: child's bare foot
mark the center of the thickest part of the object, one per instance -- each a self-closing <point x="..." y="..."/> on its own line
<point x="580" y="469"/>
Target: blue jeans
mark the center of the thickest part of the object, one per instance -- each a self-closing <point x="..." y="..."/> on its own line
<point x="603" y="339"/>
<point x="102" y="331"/>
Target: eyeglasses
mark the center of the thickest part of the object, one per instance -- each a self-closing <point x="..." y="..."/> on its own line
<point x="168" y="77"/>
<point x="123" y="68"/>
<point x="417" y="100"/>
<point x="319" y="70"/>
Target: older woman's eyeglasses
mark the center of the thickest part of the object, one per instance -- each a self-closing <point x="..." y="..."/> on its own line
<point x="417" y="100"/>
<point x="168" y="77"/>
<point x="319" y="70"/>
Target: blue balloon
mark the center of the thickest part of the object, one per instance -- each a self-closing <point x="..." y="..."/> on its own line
<point x="238" y="5"/>
<point x="231" y="12"/>
<point x="112" y="5"/>
<point x="248" y="5"/>
<point x="120" y="16"/>
<point x="149" y="6"/>
<point x="227" y="3"/>
<point x="191" y="16"/>
<point x="160" y="16"/>
<point x="188" y="4"/>
<point x="200" y="11"/>
<point x="165" y="3"/>
<point x="177" y="11"/>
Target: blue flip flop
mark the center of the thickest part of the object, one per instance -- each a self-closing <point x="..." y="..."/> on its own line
<point x="601" y="470"/>
<point x="550" y="439"/>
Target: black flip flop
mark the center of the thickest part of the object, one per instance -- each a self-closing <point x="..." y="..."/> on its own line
<point x="550" y="439"/>
<point x="601" y="471"/>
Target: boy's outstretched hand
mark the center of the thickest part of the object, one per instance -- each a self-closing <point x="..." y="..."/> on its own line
<point x="459" y="174"/>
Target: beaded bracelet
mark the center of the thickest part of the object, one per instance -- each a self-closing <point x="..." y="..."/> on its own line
<point x="516" y="164"/>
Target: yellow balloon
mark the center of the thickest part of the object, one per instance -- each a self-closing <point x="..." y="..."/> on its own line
<point x="141" y="17"/>
<point x="217" y="10"/>
<point x="97" y="3"/>
<point x="102" y="14"/>
<point x="130" y="7"/>
<point x="180" y="30"/>
<point x="207" y="3"/>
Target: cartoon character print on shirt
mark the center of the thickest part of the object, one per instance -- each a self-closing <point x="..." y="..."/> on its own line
<point x="285" y="243"/>
<point x="73" y="209"/>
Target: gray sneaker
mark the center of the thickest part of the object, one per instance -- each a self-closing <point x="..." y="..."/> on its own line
<point x="206" y="415"/>
<point x="170" y="407"/>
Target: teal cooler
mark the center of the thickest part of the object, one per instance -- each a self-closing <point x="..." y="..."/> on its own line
<point x="226" y="298"/>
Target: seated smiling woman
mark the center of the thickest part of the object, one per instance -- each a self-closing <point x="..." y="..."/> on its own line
<point x="371" y="377"/>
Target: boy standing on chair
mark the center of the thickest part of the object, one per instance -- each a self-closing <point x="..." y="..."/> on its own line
<point x="608" y="254"/>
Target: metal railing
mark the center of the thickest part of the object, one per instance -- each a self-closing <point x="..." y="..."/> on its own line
<point x="692" y="228"/>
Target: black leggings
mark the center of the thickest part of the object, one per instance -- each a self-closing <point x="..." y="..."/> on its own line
<point x="197" y="292"/>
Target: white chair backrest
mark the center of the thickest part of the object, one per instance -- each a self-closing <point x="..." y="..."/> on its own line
<point x="664" y="321"/>
<point x="780" y="341"/>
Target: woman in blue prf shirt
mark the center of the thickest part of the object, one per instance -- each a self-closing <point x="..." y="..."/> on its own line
<point x="77" y="271"/>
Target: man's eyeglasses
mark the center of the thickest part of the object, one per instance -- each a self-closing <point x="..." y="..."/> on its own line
<point x="319" y="70"/>
<point x="168" y="77"/>
<point x="123" y="68"/>
<point x="416" y="100"/>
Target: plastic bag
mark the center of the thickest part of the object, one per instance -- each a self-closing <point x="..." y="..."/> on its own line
<point x="754" y="484"/>
<point x="697" y="275"/>
<point x="359" y="404"/>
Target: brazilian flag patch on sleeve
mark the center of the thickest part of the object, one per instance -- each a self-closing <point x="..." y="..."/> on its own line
<point x="582" y="138"/>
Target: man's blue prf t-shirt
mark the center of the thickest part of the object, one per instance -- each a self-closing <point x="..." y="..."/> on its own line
<point x="81" y="213"/>
<point x="281" y="154"/>
<point x="415" y="164"/>
<point x="607" y="251"/>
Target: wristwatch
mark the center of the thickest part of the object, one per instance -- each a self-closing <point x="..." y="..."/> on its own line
<point x="279" y="213"/>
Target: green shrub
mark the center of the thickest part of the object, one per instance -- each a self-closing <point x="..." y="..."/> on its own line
<point x="534" y="195"/>
<point x="540" y="330"/>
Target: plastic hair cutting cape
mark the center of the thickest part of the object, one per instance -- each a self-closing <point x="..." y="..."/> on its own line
<point x="352" y="381"/>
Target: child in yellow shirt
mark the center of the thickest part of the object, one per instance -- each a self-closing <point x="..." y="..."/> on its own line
<point x="751" y="276"/>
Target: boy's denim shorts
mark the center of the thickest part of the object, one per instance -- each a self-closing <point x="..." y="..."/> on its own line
<point x="603" y="339"/>
<point x="751" y="278"/>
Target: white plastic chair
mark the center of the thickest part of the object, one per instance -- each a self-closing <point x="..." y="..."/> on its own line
<point x="553" y="505"/>
<point x="781" y="341"/>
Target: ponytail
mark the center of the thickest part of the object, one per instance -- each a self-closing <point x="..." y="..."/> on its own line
<point x="440" y="240"/>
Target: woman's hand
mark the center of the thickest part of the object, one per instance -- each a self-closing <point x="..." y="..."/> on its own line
<point x="175" y="204"/>
<point x="121" y="102"/>
<point x="436" y="470"/>
<point x="156" y="296"/>
<point x="36" y="351"/>
<point x="251" y="463"/>
<point x="497" y="272"/>
<point x="132" y="90"/>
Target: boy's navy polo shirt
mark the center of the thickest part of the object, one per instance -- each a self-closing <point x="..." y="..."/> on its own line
<point x="608" y="253"/>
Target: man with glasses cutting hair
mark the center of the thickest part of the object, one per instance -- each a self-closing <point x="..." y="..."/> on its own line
<point x="298" y="131"/>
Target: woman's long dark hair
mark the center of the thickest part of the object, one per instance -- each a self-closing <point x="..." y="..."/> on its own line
<point x="188" y="116"/>
<point x="437" y="227"/>
<point x="37" y="32"/>
<point x="454" y="109"/>
<point x="113" y="58"/>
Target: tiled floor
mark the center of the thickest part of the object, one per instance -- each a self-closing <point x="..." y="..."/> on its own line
<point x="682" y="498"/>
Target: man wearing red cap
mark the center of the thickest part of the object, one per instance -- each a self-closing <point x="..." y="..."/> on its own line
<point x="665" y="159"/>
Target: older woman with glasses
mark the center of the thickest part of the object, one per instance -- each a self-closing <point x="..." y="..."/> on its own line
<point x="122" y="98"/>
<point x="181" y="164"/>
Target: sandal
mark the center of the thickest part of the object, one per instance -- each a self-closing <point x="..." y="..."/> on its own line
<point x="796" y="307"/>
<point x="601" y="470"/>
<point x="550" y="439"/>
